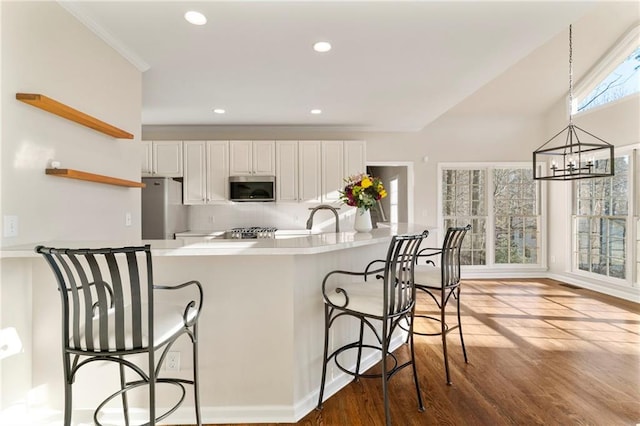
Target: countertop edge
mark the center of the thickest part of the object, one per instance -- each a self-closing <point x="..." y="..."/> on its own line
<point x="304" y="245"/>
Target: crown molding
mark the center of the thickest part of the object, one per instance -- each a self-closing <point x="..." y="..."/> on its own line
<point x="75" y="10"/>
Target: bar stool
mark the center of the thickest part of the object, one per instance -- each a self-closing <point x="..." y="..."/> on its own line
<point x="388" y="300"/>
<point x="109" y="313"/>
<point x="441" y="284"/>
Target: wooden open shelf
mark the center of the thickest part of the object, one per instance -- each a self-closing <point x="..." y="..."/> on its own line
<point x="62" y="110"/>
<point x="77" y="174"/>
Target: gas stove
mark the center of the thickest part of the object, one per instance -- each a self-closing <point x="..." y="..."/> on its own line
<point x="251" y="232"/>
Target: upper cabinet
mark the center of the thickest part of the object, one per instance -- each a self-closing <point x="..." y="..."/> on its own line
<point x="315" y="171"/>
<point x="252" y="158"/>
<point x="287" y="171"/>
<point x="340" y="159"/>
<point x="298" y="171"/>
<point x="355" y="157"/>
<point x="310" y="171"/>
<point x="162" y="158"/>
<point x="206" y="172"/>
<point x="332" y="170"/>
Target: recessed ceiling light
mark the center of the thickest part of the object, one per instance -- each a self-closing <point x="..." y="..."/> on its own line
<point x="195" y="18"/>
<point x="219" y="111"/>
<point x="316" y="111"/>
<point x="322" y="46"/>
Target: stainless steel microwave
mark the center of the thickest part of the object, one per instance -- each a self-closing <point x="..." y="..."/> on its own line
<point x="252" y="188"/>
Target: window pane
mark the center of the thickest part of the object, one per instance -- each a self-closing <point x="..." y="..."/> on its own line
<point x="623" y="81"/>
<point x="516" y="221"/>
<point x="601" y="225"/>
<point x="463" y="196"/>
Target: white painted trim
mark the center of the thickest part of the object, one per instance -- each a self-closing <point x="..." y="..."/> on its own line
<point x="627" y="293"/>
<point x="117" y="45"/>
<point x="604" y="66"/>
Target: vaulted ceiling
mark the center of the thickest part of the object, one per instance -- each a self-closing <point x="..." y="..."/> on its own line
<point x="394" y="66"/>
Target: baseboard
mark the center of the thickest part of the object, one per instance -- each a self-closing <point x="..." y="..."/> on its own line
<point x="275" y="413"/>
<point x="631" y="294"/>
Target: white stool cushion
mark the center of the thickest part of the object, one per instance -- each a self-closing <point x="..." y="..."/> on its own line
<point x="364" y="297"/>
<point x="168" y="319"/>
<point x="430" y="276"/>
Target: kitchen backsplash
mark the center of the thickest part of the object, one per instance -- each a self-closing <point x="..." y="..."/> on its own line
<point x="221" y="217"/>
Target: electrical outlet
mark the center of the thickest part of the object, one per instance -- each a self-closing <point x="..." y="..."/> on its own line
<point x="127" y="219"/>
<point x="172" y="362"/>
<point x="212" y="219"/>
<point x="10" y="226"/>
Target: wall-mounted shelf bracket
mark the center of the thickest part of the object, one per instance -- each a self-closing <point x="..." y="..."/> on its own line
<point x="62" y="110"/>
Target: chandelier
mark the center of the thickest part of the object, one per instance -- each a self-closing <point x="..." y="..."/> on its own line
<point x="583" y="155"/>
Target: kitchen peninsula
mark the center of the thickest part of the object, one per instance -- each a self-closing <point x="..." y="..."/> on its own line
<point x="261" y="330"/>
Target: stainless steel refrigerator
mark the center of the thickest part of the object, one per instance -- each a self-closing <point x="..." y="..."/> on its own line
<point x="163" y="213"/>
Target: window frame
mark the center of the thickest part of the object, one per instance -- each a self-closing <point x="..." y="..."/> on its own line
<point x="631" y="222"/>
<point x="605" y="66"/>
<point x="488" y="167"/>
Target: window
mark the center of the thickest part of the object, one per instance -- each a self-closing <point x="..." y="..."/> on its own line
<point x="515" y="215"/>
<point x="616" y="76"/>
<point x="463" y="203"/>
<point x="502" y="206"/>
<point x="603" y="222"/>
<point x="393" y="200"/>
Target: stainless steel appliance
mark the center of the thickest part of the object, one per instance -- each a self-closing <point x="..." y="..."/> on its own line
<point x="252" y="188"/>
<point x="251" y="232"/>
<point x="163" y="213"/>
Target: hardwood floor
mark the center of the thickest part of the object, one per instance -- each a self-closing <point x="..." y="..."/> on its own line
<point x="540" y="352"/>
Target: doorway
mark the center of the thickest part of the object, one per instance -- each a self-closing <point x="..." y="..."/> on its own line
<point x="397" y="178"/>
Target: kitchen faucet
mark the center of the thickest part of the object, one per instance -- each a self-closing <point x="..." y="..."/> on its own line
<point x="323" y="207"/>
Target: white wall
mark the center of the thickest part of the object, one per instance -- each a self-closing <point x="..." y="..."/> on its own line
<point x="45" y="50"/>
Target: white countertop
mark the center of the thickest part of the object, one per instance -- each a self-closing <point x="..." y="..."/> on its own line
<point x="288" y="245"/>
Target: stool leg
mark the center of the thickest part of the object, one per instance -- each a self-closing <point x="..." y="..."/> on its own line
<point x="68" y="394"/>
<point x="357" y="375"/>
<point x="385" y="391"/>
<point x="196" y="389"/>
<point x="415" y="370"/>
<point x="443" y="330"/>
<point x="464" y="350"/>
<point x="152" y="388"/>
<point x="125" y="403"/>
<point x="324" y="358"/>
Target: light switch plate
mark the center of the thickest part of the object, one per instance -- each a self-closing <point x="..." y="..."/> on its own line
<point x="10" y="226"/>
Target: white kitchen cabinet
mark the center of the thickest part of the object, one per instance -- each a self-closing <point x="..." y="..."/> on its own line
<point x="332" y="171"/>
<point x="252" y="158"/>
<point x="309" y="171"/>
<point x="298" y="171"/>
<point x="161" y="158"/>
<point x="340" y="159"/>
<point x="287" y="171"/>
<point x="146" y="166"/>
<point x="355" y="157"/>
<point x="206" y="172"/>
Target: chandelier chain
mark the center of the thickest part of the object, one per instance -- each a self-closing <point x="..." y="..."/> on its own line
<point x="570" y="76"/>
